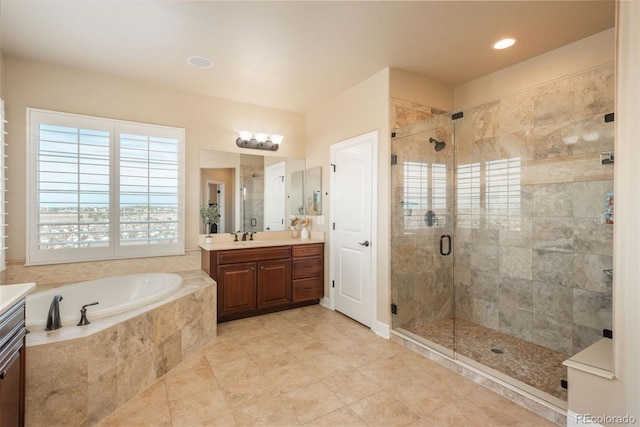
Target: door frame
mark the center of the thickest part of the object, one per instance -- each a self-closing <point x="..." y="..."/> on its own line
<point x="221" y="204"/>
<point x="357" y="140"/>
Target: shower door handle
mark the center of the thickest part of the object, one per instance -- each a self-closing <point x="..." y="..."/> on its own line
<point x="442" y="239"/>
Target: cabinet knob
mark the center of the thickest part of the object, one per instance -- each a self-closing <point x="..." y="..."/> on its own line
<point x="3" y="375"/>
<point x="262" y="267"/>
<point x="253" y="268"/>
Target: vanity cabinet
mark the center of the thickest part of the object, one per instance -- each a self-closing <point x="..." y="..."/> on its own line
<point x="308" y="272"/>
<point x="12" y="365"/>
<point x="261" y="280"/>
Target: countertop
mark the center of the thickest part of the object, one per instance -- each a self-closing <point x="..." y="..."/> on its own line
<point x="11" y="294"/>
<point x="261" y="240"/>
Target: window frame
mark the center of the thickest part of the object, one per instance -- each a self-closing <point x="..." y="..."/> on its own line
<point x="114" y="250"/>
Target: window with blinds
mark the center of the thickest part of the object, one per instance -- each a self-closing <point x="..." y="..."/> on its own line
<point x="489" y="192"/>
<point x="103" y="188"/>
<point x="3" y="189"/>
<point x="425" y="188"/>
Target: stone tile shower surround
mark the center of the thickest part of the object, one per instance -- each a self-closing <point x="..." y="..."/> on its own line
<point x="536" y="270"/>
<point x="532" y="266"/>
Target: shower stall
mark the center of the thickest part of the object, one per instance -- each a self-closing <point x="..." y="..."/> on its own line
<point x="502" y="233"/>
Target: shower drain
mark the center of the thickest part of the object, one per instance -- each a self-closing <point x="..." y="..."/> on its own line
<point x="497" y="351"/>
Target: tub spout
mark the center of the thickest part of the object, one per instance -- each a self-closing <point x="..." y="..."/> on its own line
<point x="53" y="318"/>
<point x="83" y="314"/>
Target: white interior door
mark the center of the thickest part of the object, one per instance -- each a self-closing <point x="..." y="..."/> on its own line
<point x="353" y="218"/>
<point x="274" y="197"/>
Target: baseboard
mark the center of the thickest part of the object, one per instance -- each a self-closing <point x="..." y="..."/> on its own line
<point x="326" y="302"/>
<point x="381" y="329"/>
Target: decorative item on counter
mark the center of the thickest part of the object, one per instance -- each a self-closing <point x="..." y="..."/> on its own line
<point x="294" y="226"/>
<point x="305" y="223"/>
<point x="209" y="214"/>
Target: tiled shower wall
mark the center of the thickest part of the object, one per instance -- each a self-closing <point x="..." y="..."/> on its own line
<point x="531" y="245"/>
<point x="252" y="204"/>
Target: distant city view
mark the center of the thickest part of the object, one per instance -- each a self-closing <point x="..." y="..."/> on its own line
<point x="66" y="227"/>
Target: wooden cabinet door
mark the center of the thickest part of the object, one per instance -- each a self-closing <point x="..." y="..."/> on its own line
<point x="10" y="391"/>
<point x="236" y="288"/>
<point x="274" y="283"/>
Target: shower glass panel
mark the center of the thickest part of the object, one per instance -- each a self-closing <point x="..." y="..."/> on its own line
<point x="422" y="231"/>
<point x="528" y="203"/>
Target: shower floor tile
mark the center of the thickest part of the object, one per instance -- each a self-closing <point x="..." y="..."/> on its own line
<point x="532" y="364"/>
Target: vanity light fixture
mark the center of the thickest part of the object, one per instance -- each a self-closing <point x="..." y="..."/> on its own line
<point x="259" y="140"/>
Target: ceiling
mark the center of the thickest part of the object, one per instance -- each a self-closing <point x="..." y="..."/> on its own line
<point x="291" y="55"/>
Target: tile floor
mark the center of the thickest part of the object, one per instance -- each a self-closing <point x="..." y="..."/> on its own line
<point x="312" y="366"/>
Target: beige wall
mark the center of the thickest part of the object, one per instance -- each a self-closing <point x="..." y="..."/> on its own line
<point x="359" y="110"/>
<point x="419" y="89"/>
<point x="210" y="124"/>
<point x="626" y="298"/>
<point x="584" y="54"/>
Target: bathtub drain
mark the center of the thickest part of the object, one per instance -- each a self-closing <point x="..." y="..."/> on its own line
<point x="497" y="351"/>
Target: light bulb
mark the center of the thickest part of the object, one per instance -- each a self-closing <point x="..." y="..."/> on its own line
<point x="261" y="137"/>
<point x="245" y="135"/>
<point x="277" y="139"/>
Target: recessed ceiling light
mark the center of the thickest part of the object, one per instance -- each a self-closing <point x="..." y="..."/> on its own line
<point x="200" y="62"/>
<point x="504" y="43"/>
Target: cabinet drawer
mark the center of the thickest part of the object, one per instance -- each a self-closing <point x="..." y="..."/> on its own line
<point x="308" y="250"/>
<point x="307" y="267"/>
<point x="250" y="255"/>
<point x="10" y="322"/>
<point x="308" y="289"/>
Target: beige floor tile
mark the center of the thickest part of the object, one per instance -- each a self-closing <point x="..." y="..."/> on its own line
<point x="343" y="417"/>
<point x="266" y="344"/>
<point x="382" y="409"/>
<point x="225" y="351"/>
<point x="308" y="351"/>
<point x="352" y="386"/>
<point x="301" y="367"/>
<point x="151" y="407"/>
<point x="273" y="412"/>
<point x="198" y="408"/>
<point x="235" y="370"/>
<point x="187" y="383"/>
<point x="312" y="402"/>
<point x="328" y="365"/>
<point x="249" y="391"/>
<point x="291" y="377"/>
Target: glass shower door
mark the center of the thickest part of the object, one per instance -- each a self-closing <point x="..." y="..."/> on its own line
<point x="422" y="232"/>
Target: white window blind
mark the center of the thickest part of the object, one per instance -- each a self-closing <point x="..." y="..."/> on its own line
<point x="3" y="189"/>
<point x="503" y="191"/>
<point x="425" y="188"/>
<point x="102" y="188"/>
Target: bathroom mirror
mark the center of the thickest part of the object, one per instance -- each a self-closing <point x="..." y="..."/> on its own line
<point x="296" y="203"/>
<point x="255" y="192"/>
<point x="313" y="191"/>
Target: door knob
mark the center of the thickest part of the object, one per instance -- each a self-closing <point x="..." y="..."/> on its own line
<point x="365" y="243"/>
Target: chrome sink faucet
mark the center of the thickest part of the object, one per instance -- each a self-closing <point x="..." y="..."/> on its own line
<point x="53" y="318"/>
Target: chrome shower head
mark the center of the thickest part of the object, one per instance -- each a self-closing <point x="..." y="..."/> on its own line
<point x="439" y="145"/>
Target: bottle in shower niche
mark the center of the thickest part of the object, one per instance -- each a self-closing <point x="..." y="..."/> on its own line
<point x="608" y="208"/>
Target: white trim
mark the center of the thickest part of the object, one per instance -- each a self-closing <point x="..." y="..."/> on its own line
<point x="382" y="329"/>
<point x="221" y="204"/>
<point x="373" y="137"/>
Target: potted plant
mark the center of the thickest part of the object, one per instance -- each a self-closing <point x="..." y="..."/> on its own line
<point x="209" y="214"/>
